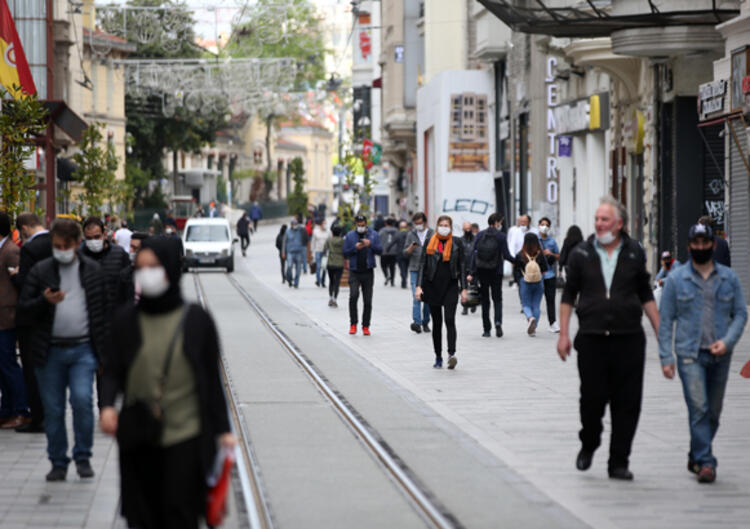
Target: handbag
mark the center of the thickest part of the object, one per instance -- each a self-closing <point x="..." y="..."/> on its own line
<point x="140" y="423"/>
<point x="218" y="488"/>
<point x="472" y="296"/>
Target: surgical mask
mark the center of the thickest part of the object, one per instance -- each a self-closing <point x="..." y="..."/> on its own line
<point x="132" y="257"/>
<point x="702" y="256"/>
<point x="95" y="245"/>
<point x="544" y="229"/>
<point x="606" y="238"/>
<point x="420" y="227"/>
<point x="361" y="229"/>
<point x="443" y="231"/>
<point x="64" y="256"/>
<point x="152" y="281"/>
<point x="524" y="229"/>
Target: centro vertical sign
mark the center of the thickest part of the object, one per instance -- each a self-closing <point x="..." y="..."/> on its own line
<point x="552" y="185"/>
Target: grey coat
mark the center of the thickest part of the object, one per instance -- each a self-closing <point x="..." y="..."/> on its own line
<point x="416" y="255"/>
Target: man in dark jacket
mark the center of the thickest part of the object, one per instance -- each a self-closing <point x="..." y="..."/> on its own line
<point x="126" y="286"/>
<point x="243" y="232"/>
<point x="361" y="245"/>
<point x="36" y="247"/>
<point x="721" y="246"/>
<point x="401" y="260"/>
<point x="486" y="264"/>
<point x="111" y="257"/>
<point x="65" y="297"/>
<point x="609" y="286"/>
<point x="256" y="213"/>
<point x="390" y="249"/>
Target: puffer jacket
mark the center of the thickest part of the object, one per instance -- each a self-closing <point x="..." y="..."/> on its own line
<point x="428" y="264"/>
<point x="35" y="308"/>
<point x="113" y="260"/>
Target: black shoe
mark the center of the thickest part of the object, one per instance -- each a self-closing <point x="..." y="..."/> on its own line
<point x="583" y="461"/>
<point x="57" y="474"/>
<point x="438" y="363"/>
<point x="317" y="283"/>
<point x="692" y="466"/>
<point x="486" y="334"/>
<point x="84" y="469"/>
<point x="465" y="311"/>
<point x="621" y="473"/>
<point x="416" y="328"/>
<point x="31" y="427"/>
<point x="499" y="331"/>
<point x="426" y="328"/>
<point x="473" y="310"/>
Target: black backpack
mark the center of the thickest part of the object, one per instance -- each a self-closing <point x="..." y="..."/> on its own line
<point x="488" y="251"/>
<point x="388" y="241"/>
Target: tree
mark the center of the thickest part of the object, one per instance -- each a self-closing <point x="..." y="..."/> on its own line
<point x="96" y="172"/>
<point x="20" y="120"/>
<point x="297" y="199"/>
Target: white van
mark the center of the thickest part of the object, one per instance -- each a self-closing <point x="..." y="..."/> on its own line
<point x="208" y="242"/>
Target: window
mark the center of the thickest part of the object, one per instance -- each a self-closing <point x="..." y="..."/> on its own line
<point x="207" y="233"/>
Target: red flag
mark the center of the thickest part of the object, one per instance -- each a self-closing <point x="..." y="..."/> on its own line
<point x="14" y="70"/>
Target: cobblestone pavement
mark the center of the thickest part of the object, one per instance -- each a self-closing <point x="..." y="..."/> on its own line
<point x="518" y="400"/>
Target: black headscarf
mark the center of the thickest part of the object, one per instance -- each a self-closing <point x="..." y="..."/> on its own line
<point x="167" y="250"/>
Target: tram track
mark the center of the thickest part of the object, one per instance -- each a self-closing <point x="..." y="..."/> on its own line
<point x="422" y="500"/>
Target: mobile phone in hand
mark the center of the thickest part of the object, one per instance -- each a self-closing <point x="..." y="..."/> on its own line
<point x="54" y="289"/>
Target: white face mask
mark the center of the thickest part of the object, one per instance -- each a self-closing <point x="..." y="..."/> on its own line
<point x="132" y="257"/>
<point x="95" y="245"/>
<point x="524" y="229"/>
<point x="606" y="238"/>
<point x="444" y="231"/>
<point x="420" y="227"/>
<point x="544" y="230"/>
<point x="64" y="256"/>
<point x="152" y="281"/>
<point x="361" y="229"/>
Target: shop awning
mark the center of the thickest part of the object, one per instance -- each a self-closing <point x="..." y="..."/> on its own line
<point x="591" y="18"/>
<point x="68" y="121"/>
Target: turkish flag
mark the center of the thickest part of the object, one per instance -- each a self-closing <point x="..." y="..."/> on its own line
<point x="14" y="70"/>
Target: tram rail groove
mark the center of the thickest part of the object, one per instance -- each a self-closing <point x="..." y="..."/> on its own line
<point x="422" y="499"/>
<point x="257" y="511"/>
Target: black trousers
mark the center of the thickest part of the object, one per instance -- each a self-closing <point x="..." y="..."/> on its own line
<point x="244" y="241"/>
<point x="283" y="268"/>
<point x="388" y="263"/>
<point x="255" y="224"/>
<point x="490" y="282"/>
<point x="29" y="376"/>
<point x="163" y="488"/>
<point x="403" y="268"/>
<point x="611" y="371"/>
<point x="550" y="290"/>
<point x="439" y="314"/>
<point x="363" y="280"/>
<point x="334" y="280"/>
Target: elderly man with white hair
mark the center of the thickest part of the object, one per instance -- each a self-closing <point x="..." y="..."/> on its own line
<point x="609" y="286"/>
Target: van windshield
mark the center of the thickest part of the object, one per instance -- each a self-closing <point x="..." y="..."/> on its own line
<point x="207" y="233"/>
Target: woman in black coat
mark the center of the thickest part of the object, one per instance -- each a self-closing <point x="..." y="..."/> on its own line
<point x="442" y="270"/>
<point x="163" y="481"/>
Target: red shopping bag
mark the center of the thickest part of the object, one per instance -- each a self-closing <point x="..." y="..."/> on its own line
<point x="216" y="502"/>
<point x="745" y="371"/>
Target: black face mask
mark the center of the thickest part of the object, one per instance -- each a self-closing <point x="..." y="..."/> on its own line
<point x="702" y="256"/>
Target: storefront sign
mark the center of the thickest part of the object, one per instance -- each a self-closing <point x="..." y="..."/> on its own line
<point x="564" y="146"/>
<point x="634" y="131"/>
<point x="590" y="114"/>
<point x="712" y="98"/>
<point x="552" y="185"/>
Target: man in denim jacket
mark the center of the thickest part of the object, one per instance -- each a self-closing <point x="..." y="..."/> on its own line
<point x="704" y="299"/>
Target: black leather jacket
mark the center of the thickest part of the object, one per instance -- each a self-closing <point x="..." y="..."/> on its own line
<point x="428" y="264"/>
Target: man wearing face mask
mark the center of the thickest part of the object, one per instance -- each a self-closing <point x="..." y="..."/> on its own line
<point x="126" y="287"/>
<point x="609" y="286"/>
<point x="361" y="245"/>
<point x="111" y="257"/>
<point x="66" y="299"/>
<point x="293" y="250"/>
<point x="703" y="310"/>
<point x="552" y="255"/>
<point x="413" y="248"/>
<point x="401" y="260"/>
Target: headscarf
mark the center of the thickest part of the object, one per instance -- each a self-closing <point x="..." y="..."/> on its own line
<point x="432" y="246"/>
<point x="167" y="250"/>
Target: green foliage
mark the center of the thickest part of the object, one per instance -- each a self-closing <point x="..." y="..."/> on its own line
<point x="221" y="189"/>
<point x="137" y="185"/>
<point x="297" y="199"/>
<point x="360" y="193"/>
<point x="96" y="172"/>
<point x="20" y="120"/>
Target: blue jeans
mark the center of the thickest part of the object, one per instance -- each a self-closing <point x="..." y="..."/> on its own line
<point x="320" y="275"/>
<point x="12" y="387"/>
<point x="531" y="298"/>
<point x="420" y="312"/>
<point x="294" y="260"/>
<point x="703" y="383"/>
<point x="68" y="368"/>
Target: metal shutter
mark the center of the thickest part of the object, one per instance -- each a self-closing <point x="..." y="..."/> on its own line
<point x="739" y="203"/>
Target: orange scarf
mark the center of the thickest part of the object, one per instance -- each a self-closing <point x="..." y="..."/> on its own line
<point x="433" y="245"/>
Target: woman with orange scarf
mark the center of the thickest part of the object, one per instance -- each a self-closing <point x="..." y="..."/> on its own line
<point x="442" y="269"/>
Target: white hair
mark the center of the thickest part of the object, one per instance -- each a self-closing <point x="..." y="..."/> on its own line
<point x="620" y="210"/>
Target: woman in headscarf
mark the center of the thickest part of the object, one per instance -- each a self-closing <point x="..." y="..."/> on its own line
<point x="442" y="270"/>
<point x="164" y="354"/>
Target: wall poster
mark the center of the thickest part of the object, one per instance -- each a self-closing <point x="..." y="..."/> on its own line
<point x="468" y="143"/>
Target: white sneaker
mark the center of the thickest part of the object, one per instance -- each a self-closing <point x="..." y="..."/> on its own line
<point x="532" y="326"/>
<point x="555" y="328"/>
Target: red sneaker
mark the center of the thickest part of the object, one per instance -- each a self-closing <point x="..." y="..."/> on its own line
<point x="366" y="331"/>
<point x="353" y="329"/>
